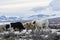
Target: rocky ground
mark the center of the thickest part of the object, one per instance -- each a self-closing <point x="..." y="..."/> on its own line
<point x="48" y="34"/>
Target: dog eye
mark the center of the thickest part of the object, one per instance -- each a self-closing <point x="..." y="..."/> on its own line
<point x="34" y="22"/>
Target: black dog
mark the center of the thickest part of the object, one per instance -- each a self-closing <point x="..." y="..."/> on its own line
<point x="17" y="25"/>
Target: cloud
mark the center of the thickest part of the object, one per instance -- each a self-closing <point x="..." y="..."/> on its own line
<point x="26" y="8"/>
<point x="44" y="10"/>
<point x="21" y="7"/>
<point x="22" y="1"/>
<point x="52" y="8"/>
<point x="39" y="8"/>
<point x="55" y="4"/>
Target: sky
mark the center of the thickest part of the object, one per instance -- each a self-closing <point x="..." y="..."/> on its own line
<point x="25" y="8"/>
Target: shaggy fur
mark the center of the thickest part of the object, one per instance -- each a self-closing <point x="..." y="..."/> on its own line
<point x="41" y="24"/>
<point x="29" y="26"/>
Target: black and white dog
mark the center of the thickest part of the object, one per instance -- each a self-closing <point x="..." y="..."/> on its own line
<point x="17" y="26"/>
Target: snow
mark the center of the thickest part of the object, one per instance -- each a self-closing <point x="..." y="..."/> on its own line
<point x="4" y="23"/>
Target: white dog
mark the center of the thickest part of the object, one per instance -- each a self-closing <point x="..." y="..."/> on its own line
<point x="41" y="24"/>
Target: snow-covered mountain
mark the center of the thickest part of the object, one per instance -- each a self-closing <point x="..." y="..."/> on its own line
<point x="5" y="18"/>
<point x="14" y="18"/>
<point x="39" y="16"/>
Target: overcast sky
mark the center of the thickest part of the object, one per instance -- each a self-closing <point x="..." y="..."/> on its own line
<point x="20" y="7"/>
<point x="26" y="8"/>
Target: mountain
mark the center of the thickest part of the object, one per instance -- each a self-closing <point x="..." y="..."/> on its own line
<point x="4" y="18"/>
<point x="54" y="20"/>
<point x="39" y="16"/>
<point x="14" y="18"/>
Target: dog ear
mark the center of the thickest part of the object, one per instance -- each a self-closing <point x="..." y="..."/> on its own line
<point x="34" y="22"/>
